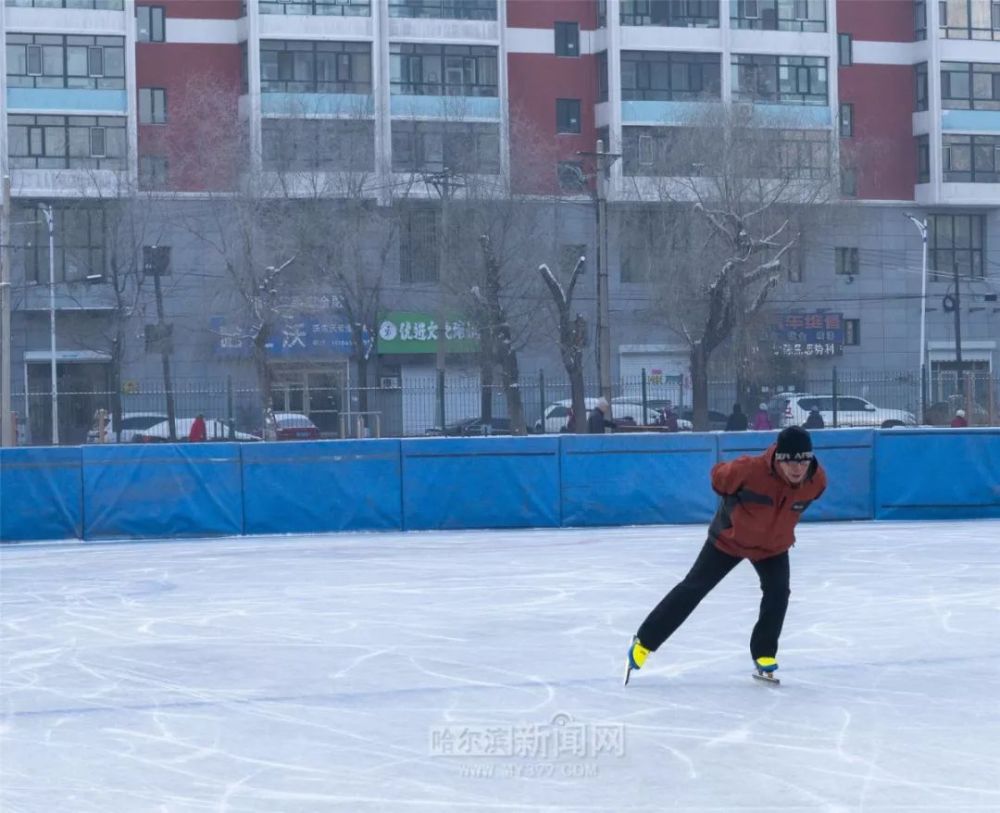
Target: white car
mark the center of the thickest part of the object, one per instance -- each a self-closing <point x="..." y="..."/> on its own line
<point x="214" y="430"/>
<point x="624" y="410"/>
<point x="132" y="422"/>
<point x="851" y="411"/>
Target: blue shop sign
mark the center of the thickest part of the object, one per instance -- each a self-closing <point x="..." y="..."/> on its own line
<point x="299" y="336"/>
<point x="809" y="334"/>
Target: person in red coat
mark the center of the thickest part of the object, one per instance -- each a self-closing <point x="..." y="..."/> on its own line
<point x="198" y="432"/>
<point x="959" y="421"/>
<point x="761" y="501"/>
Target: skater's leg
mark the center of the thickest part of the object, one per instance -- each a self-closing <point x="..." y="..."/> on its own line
<point x="774" y="574"/>
<point x="708" y="570"/>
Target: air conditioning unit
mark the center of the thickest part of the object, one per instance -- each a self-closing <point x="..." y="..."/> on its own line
<point x="389" y="382"/>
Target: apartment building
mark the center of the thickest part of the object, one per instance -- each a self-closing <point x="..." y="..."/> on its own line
<point x="101" y="98"/>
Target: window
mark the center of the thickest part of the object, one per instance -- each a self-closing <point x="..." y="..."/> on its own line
<point x="602" y="76"/>
<point x="793" y="263"/>
<point x="306" y="66"/>
<point x="970" y="158"/>
<point x="920" y="85"/>
<point x="670" y="75"/>
<point x="567" y="39"/>
<point x="848" y="182"/>
<point x="779" y="79"/>
<point x="676" y="13"/>
<point x="969" y="19"/>
<point x="852" y="332"/>
<point x="152" y="172"/>
<point x="323" y="8"/>
<point x="418" y="69"/>
<point x="156" y="261"/>
<point x="847" y="262"/>
<point x="970" y="86"/>
<point x="66" y="142"/>
<point x="152" y="106"/>
<point x="956" y="242"/>
<point x="845" y="49"/>
<point x="445" y="9"/>
<point x="418" y="245"/>
<point x="65" y="61"/>
<point x="923" y="159"/>
<point x="802" y="154"/>
<point x="421" y="146"/>
<point x="78" y="233"/>
<point x="919" y="20"/>
<point x="150" y="25"/>
<point x="779" y="15"/>
<point x="846" y="120"/>
<point x="318" y="145"/>
<point x="567" y="115"/>
<point x="107" y="5"/>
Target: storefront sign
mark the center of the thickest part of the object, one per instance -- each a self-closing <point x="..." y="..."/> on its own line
<point x="302" y="336"/>
<point x="406" y="332"/>
<point x="809" y="334"/>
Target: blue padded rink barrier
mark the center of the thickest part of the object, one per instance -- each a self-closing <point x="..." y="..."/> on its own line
<point x="480" y="671"/>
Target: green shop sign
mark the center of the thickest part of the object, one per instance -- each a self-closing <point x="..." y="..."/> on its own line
<point x="406" y="332"/>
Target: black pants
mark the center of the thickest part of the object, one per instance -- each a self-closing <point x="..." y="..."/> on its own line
<point x="709" y="569"/>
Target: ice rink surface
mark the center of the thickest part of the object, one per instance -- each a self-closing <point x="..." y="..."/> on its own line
<point x="481" y="671"/>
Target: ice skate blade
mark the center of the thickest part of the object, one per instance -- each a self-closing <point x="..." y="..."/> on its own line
<point x="765" y="678"/>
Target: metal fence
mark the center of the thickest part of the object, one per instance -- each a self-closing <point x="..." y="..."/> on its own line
<point x="415" y="408"/>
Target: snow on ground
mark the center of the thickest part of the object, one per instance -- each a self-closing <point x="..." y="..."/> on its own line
<point x="481" y="671"/>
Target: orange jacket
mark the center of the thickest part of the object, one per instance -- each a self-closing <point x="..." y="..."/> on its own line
<point x="759" y="510"/>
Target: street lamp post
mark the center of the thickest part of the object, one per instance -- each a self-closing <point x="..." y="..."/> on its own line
<point x="922" y="228"/>
<point x="47" y="211"/>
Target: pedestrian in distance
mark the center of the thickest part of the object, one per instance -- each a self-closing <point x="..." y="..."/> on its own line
<point x="762" y="498"/>
<point x="814" y="420"/>
<point x="737" y="420"/>
<point x="761" y="420"/>
<point x="198" y="431"/>
<point x="959" y="421"/>
<point x="599" y="419"/>
<point x="668" y="418"/>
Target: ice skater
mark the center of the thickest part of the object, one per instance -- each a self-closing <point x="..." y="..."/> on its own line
<point x="762" y="499"/>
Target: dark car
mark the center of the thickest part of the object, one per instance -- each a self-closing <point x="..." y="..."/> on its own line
<point x="716" y="420"/>
<point x="472" y="427"/>
<point x="291" y="426"/>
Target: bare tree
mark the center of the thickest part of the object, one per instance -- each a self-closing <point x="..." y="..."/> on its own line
<point x="572" y="338"/>
<point x="730" y="189"/>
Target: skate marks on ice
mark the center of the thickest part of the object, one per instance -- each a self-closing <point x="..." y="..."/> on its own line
<point x="482" y="671"/>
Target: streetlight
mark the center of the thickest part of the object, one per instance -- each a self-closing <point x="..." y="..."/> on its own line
<point x="922" y="228"/>
<point x="47" y="211"/>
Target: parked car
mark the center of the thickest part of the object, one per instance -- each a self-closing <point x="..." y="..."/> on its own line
<point x="625" y="411"/>
<point x="471" y="427"/>
<point x="716" y="420"/>
<point x="132" y="422"/>
<point x="851" y="411"/>
<point x="291" y="426"/>
<point x="214" y="430"/>
<point x="941" y="413"/>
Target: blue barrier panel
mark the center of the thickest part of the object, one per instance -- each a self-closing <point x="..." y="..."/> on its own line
<point x="327" y="485"/>
<point x="494" y="482"/>
<point x="637" y="479"/>
<point x="166" y="489"/>
<point x="41" y="494"/>
<point x="937" y="474"/>
<point x="846" y="455"/>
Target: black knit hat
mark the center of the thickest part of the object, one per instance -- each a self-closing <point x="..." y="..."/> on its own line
<point x="794" y="443"/>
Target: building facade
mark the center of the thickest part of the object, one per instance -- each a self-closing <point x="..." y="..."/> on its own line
<point x="408" y="103"/>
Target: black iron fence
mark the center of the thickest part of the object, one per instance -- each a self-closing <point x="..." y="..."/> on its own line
<point x="415" y="406"/>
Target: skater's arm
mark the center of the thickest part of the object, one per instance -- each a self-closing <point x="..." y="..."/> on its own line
<point x="727" y="478"/>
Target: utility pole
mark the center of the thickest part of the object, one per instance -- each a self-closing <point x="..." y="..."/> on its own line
<point x="54" y="381"/>
<point x="156" y="264"/>
<point x="604" y="160"/>
<point x="6" y="428"/>
<point x="922" y="228"/>
<point x="958" y="330"/>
